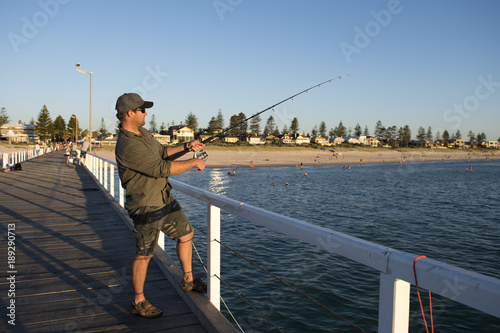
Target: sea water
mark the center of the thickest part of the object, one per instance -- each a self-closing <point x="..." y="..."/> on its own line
<point x="436" y="209"/>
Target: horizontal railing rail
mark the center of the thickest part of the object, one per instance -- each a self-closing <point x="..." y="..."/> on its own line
<point x="13" y="157"/>
<point x="476" y="290"/>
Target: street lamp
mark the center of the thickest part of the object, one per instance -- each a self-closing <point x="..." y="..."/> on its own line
<point x="90" y="123"/>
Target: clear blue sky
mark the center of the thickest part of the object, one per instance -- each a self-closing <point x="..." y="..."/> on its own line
<point x="417" y="63"/>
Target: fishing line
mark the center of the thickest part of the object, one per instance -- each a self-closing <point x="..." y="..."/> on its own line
<point x="203" y="155"/>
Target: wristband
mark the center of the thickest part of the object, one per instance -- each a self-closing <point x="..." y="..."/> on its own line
<point x="185" y="145"/>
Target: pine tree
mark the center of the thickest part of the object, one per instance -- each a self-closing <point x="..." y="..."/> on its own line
<point x="270" y="125"/>
<point x="314" y="131"/>
<point x="255" y="125"/>
<point x="446" y="135"/>
<point x="59" y="126"/>
<point x="428" y="135"/>
<point x="379" y="130"/>
<point x="233" y="123"/>
<point x="213" y="126"/>
<point x="421" y="135"/>
<point x="322" y="129"/>
<point x="4" y="118"/>
<point x="43" y="124"/>
<point x="294" y="127"/>
<point x="73" y="128"/>
<point x="406" y="138"/>
<point x="191" y="121"/>
<point x="340" y="130"/>
<point x="103" y="131"/>
<point x="471" y="136"/>
<point x="243" y="127"/>
<point x="220" y="120"/>
<point x="357" y="130"/>
<point x="152" y="124"/>
<point x="366" y="133"/>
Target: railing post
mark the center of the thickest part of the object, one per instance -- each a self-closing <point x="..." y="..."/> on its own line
<point x="105" y="171"/>
<point x="112" y="180"/>
<point x="394" y="305"/>
<point x="100" y="171"/>
<point x="121" y="193"/>
<point x="161" y="240"/>
<point x="213" y="254"/>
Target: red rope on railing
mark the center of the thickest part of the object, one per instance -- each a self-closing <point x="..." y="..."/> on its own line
<point x="420" y="300"/>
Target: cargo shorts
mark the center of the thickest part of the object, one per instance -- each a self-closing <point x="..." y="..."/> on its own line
<point x="149" y="221"/>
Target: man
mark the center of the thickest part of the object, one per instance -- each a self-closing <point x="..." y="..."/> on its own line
<point x="144" y="172"/>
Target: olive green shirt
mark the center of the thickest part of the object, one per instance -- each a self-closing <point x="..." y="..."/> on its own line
<point x="143" y="169"/>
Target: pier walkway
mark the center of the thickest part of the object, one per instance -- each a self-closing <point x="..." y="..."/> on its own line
<point x="71" y="268"/>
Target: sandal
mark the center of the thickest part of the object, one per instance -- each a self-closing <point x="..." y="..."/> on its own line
<point x="195" y="285"/>
<point x="145" y="309"/>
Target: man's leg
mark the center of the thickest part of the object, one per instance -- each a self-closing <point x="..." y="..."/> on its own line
<point x="139" y="271"/>
<point x="185" y="255"/>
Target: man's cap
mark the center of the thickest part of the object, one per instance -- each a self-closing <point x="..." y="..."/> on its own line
<point x="130" y="101"/>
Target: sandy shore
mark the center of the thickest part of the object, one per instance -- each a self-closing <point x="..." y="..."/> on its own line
<point x="265" y="156"/>
<point x="228" y="157"/>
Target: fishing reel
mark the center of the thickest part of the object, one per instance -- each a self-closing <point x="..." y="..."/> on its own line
<point x="201" y="154"/>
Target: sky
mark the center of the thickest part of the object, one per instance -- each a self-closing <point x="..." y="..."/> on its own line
<point x="420" y="63"/>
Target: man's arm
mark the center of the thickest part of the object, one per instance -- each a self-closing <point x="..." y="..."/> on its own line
<point x="178" y="167"/>
<point x="194" y="145"/>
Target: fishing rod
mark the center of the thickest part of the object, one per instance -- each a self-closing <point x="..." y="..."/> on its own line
<point x="203" y="155"/>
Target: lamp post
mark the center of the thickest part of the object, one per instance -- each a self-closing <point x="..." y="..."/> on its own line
<point x="90" y="121"/>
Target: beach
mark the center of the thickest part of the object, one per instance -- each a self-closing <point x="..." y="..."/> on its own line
<point x="269" y="156"/>
<point x="272" y="156"/>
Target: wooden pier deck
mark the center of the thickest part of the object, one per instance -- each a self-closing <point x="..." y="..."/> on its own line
<point x="72" y="258"/>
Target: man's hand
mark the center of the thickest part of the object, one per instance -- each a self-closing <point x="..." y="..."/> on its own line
<point x="195" y="145"/>
<point x="178" y="167"/>
<point x="200" y="164"/>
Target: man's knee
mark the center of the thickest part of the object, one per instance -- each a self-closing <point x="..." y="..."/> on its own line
<point x="186" y="238"/>
<point x="142" y="258"/>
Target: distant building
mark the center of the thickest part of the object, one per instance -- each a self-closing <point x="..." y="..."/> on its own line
<point x="351" y="139"/>
<point x="181" y="134"/>
<point x="489" y="144"/>
<point x="302" y="139"/>
<point x="371" y="141"/>
<point x="24" y="133"/>
<point x="164" y="139"/>
<point x="255" y="140"/>
<point x="336" y="140"/>
<point x="231" y="139"/>
<point x="320" y="140"/>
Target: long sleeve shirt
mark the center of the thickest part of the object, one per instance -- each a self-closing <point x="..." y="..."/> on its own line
<point x="143" y="169"/>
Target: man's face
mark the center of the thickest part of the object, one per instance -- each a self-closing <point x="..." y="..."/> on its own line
<point x="140" y="117"/>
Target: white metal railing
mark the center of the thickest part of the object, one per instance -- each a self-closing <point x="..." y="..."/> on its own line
<point x="13" y="157"/>
<point x="476" y="290"/>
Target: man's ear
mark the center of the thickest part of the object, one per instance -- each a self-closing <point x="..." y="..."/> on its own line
<point x="129" y="113"/>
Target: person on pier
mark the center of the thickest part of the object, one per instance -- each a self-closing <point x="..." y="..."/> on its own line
<point x="144" y="172"/>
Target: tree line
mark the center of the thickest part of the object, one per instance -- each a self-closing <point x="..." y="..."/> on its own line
<point x="390" y="134"/>
<point x="59" y="130"/>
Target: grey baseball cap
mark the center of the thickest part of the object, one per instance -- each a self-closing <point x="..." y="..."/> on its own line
<point x="130" y="101"/>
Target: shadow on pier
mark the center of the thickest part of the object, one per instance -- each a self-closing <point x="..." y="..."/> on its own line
<point x="72" y="257"/>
